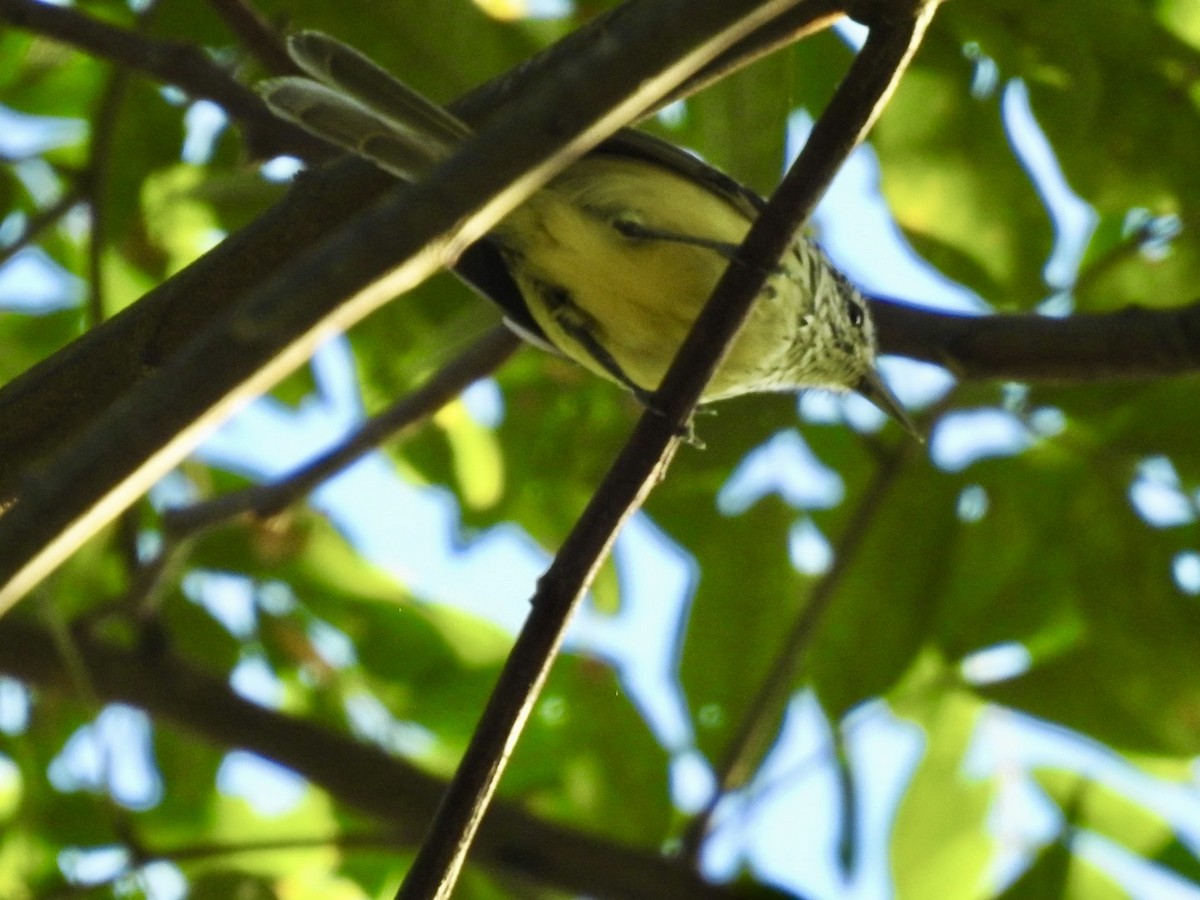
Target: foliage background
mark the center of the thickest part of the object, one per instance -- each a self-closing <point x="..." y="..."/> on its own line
<point x="1071" y="543"/>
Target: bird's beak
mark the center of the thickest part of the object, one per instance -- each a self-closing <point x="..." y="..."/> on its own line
<point x="873" y="388"/>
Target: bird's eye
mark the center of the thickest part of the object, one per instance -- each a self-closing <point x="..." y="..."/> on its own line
<point x="857" y="314"/>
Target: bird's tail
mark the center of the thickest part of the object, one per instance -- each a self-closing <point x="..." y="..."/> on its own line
<point x="359" y="106"/>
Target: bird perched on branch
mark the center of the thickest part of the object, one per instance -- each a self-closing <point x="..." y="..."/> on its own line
<point x="613" y="259"/>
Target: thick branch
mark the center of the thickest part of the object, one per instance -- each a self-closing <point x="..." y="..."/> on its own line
<point x="797" y="24"/>
<point x="1130" y="343"/>
<point x="46" y="406"/>
<point x="51" y="403"/>
<point x="357" y="775"/>
<point x="649" y="47"/>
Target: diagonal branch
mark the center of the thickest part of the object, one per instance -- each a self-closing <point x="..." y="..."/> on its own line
<point x="271" y="498"/>
<point x="39" y="220"/>
<point x="645" y="458"/>
<point x="257" y="35"/>
<point x="52" y="402"/>
<point x="388" y="249"/>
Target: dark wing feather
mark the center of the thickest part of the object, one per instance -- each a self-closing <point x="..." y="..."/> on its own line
<point x="483" y="267"/>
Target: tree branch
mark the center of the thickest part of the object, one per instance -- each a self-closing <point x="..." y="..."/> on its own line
<point x="184" y="65"/>
<point x="1130" y="343"/>
<point x="357" y="775"/>
<point x="256" y="35"/>
<point x="805" y="19"/>
<point x="644" y="459"/>
<point x="54" y="401"/>
<point x="39" y="220"/>
<point x="388" y="249"/>
<point x="271" y="498"/>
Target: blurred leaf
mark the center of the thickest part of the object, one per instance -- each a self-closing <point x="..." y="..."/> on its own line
<point x="176" y="221"/>
<point x="478" y="462"/>
<point x="47" y="78"/>
<point x="754" y="101"/>
<point x="1133" y="420"/>
<point x="147" y="136"/>
<point x="26" y="339"/>
<point x="939" y="845"/>
<point x="946" y="161"/>
<point x="197" y="636"/>
<point x="221" y="885"/>
<point x="236" y="197"/>
<point x="588" y="758"/>
<point x="189" y="774"/>
<point x="233" y="820"/>
<point x="1137" y="695"/>
<point x="320" y="559"/>
<point x="1047" y="878"/>
<point x="28" y="862"/>
<point x="1177" y="856"/>
<point x="1120" y="818"/>
<point x="1057" y="872"/>
<point x="1102" y="91"/>
<point x="885" y="606"/>
<point x="735" y="622"/>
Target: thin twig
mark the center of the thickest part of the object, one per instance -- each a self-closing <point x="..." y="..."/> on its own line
<point x="829" y="750"/>
<point x="182" y="64"/>
<point x="181" y="525"/>
<point x="256" y="35"/>
<point x="201" y="852"/>
<point x="269" y="499"/>
<point x="1106" y="261"/>
<point x="95" y="179"/>
<point x="82" y="680"/>
<point x="95" y="176"/>
<point x="39" y="220"/>
<point x="759" y="724"/>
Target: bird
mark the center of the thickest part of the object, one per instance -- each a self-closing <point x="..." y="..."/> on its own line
<point x="612" y="260"/>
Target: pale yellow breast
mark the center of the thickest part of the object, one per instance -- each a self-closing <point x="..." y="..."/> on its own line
<point x="641" y="295"/>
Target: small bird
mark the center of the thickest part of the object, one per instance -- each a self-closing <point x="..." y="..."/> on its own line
<point x="612" y="260"/>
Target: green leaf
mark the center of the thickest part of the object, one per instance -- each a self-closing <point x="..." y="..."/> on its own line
<point x="220" y="885"/>
<point x="1134" y="694"/>
<point x="946" y="161"/>
<point x="588" y="758"/>
<point x="1121" y="818"/>
<point x="1058" y="872"/>
<point x="1102" y="93"/>
<point x="940" y="847"/>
